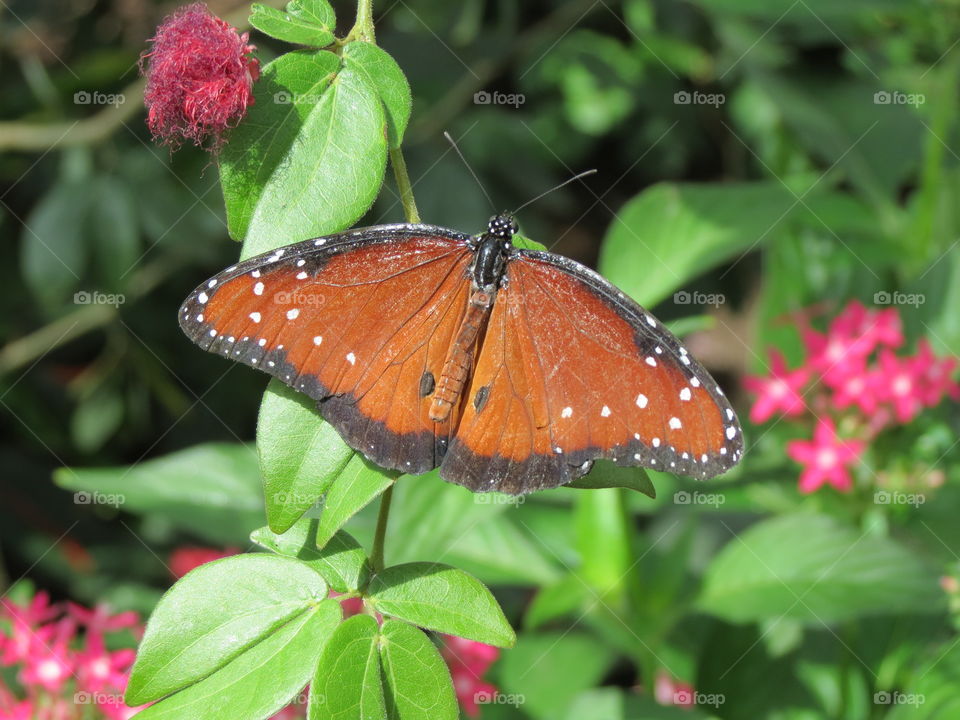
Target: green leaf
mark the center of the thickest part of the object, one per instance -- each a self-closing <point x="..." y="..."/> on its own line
<point x="341" y="562"/>
<point x="54" y="254"/>
<point x="316" y="12"/>
<point x="564" y="598"/>
<point x="814" y="569"/>
<point x="115" y="229"/>
<point x="347" y="682"/>
<point x="212" y="490"/>
<point x="289" y="27"/>
<point x="548" y="670"/>
<point x="309" y="157"/>
<point x="359" y="483"/>
<point x="213" y="614"/>
<point x="417" y="681"/>
<point x="382" y="73"/>
<point x="300" y="454"/>
<point x="441" y="598"/>
<point x="260" y="681"/>
<point x="96" y="419"/>
<point x="603" y="532"/>
<point x="606" y="474"/>
<point x="676" y="232"/>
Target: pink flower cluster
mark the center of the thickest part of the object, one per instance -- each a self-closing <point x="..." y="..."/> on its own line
<point x="851" y="376"/>
<point x="63" y="668"/>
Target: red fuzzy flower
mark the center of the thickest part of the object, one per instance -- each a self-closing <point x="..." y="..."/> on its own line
<point x="200" y="78"/>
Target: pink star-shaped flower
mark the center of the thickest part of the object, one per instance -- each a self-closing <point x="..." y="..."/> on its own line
<point x="780" y="392"/>
<point x="825" y="458"/>
<point x="900" y="384"/>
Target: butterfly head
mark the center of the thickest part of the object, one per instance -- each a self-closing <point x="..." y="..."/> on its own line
<point x="503" y="226"/>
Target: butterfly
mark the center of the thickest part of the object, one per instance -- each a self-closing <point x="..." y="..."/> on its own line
<point x="510" y="369"/>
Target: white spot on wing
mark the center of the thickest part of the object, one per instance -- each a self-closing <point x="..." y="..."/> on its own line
<point x="302" y="276"/>
<point x="292" y="314"/>
<point x="731" y="432"/>
<point x="642" y="401"/>
<point x="651" y="361"/>
<point x="202" y="298"/>
<point x="261" y="342"/>
<point x="351" y="358"/>
<point x="675" y="423"/>
<point x="258" y="289"/>
<point x="566" y="412"/>
<point x="685" y="394"/>
<point x="318" y="339"/>
<point x="255" y="316"/>
<point x="656" y="442"/>
<point x="605" y="412"/>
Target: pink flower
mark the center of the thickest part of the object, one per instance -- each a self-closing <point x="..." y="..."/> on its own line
<point x="200" y="77"/>
<point x="778" y="393"/>
<point x="934" y="375"/>
<point x="899" y="384"/>
<point x="857" y="388"/>
<point x="100" y="621"/>
<point x="25" y="630"/>
<point x="883" y="327"/>
<point x="185" y="559"/>
<point x="668" y="691"/>
<point x="825" y="458"/>
<point x="468" y="661"/>
<point x="49" y="667"/>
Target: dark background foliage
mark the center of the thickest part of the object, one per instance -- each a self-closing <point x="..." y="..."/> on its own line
<point x="826" y="193"/>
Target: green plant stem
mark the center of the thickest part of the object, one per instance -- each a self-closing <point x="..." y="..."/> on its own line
<point x="376" y="555"/>
<point x="363" y="28"/>
<point x="399" y="166"/>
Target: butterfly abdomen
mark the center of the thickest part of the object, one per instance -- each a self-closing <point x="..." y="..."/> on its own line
<point x="456" y="368"/>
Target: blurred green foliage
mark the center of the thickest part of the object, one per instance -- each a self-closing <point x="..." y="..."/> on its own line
<point x="779" y="155"/>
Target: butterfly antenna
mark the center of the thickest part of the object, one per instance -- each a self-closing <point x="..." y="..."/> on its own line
<point x="456" y="149"/>
<point x="556" y="187"/>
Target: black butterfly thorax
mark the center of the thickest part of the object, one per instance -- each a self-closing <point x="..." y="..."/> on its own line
<point x="492" y="251"/>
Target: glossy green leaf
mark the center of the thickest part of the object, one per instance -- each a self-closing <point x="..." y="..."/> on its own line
<point x="813" y="568"/>
<point x="309" y="157"/>
<point x="316" y="12"/>
<point x="213" y="614"/>
<point x="382" y="73"/>
<point x="261" y="680"/>
<point x="417" y="684"/>
<point x="341" y="562"/>
<point x="441" y="598"/>
<point x="609" y="475"/>
<point x="347" y="682"/>
<point x="288" y="27"/>
<point x="212" y="490"/>
<point x="670" y="233"/>
<point x="300" y="454"/>
<point x="356" y="486"/>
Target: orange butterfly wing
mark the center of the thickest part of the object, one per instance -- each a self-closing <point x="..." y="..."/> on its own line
<point x="359" y="321"/>
<point x="571" y="370"/>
